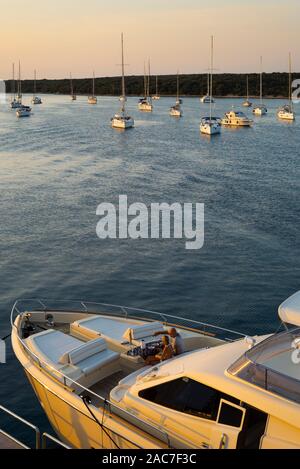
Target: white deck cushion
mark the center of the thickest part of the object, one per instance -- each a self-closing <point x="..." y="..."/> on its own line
<point x="51" y="345"/>
<point x="84" y="351"/>
<point x="139" y="332"/>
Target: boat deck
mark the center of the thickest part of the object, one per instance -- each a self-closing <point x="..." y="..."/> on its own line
<point x="103" y="388"/>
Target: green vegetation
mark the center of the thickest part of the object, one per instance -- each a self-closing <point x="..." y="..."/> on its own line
<point x="275" y="85"/>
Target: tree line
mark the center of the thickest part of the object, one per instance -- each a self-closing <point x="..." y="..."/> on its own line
<point x="226" y="84"/>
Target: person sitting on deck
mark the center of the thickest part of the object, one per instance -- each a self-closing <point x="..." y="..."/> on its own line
<point x="166" y="353"/>
<point x="176" y="340"/>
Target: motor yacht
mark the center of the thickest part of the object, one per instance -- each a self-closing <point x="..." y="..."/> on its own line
<point x="122" y="120"/>
<point x="236" y="119"/>
<point x="86" y="365"/>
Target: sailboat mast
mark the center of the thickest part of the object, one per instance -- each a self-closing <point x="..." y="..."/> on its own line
<point x="290" y="79"/>
<point x="148" y="87"/>
<point x="19" y="85"/>
<point x="261" y="81"/>
<point x="93" y="84"/>
<point x="34" y="86"/>
<point x="247" y="88"/>
<point x="177" y="86"/>
<point x="211" y="72"/>
<point x="71" y="82"/>
<point x="13" y="82"/>
<point x="123" y="66"/>
<point x="156" y="92"/>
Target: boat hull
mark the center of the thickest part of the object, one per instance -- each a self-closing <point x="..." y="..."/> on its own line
<point x="122" y="123"/>
<point x="210" y="129"/>
<point x="289" y="116"/>
<point x="258" y="111"/>
<point x="146" y="107"/>
<point x="92" y="100"/>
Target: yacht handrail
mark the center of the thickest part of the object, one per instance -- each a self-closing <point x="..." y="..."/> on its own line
<point x="126" y="312"/>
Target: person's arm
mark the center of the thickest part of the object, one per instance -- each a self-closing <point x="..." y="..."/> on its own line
<point x="161" y="333"/>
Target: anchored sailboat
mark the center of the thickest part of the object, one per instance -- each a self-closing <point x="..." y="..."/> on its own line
<point x="122" y="120"/>
<point x="211" y="125"/>
<point x="156" y="97"/>
<point x="145" y="103"/>
<point x="176" y="110"/>
<point x="35" y="99"/>
<point x="22" y="110"/>
<point x="93" y="99"/>
<point x="207" y="99"/>
<point x="287" y="111"/>
<point x="247" y="102"/>
<point x="73" y="95"/>
<point x="15" y="103"/>
<point x="260" y="110"/>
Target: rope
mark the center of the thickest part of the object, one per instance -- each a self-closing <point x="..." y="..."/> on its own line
<point x="84" y="399"/>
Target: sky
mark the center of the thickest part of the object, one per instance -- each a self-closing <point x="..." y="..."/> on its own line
<point x="59" y="36"/>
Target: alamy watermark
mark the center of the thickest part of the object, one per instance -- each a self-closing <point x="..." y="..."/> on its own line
<point x="296" y="92"/>
<point x="2" y="351"/>
<point x="158" y="221"/>
<point x="2" y="92"/>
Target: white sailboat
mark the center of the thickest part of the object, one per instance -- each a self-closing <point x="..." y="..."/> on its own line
<point x="73" y="95"/>
<point x="260" y="110"/>
<point x="207" y="99"/>
<point x="247" y="102"/>
<point x="122" y="120"/>
<point x="176" y="111"/>
<point x="15" y="103"/>
<point x="211" y="125"/>
<point x="287" y="111"/>
<point x="145" y="103"/>
<point x="22" y="110"/>
<point x="35" y="99"/>
<point x="156" y="97"/>
<point x="93" y="99"/>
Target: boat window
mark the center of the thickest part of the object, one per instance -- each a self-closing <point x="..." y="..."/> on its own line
<point x="188" y="396"/>
<point x="230" y="414"/>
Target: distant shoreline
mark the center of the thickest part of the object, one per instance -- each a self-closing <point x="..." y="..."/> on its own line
<point x="225" y="85"/>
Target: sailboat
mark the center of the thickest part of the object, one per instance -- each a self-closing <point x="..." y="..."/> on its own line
<point x="156" y="97"/>
<point x="211" y="125"/>
<point x="207" y="99"/>
<point x="247" y="103"/>
<point x="93" y="99"/>
<point x="15" y="103"/>
<point x="176" y="110"/>
<point x="35" y="99"/>
<point x="22" y="110"/>
<point x="145" y="103"/>
<point x="260" y="110"/>
<point x="73" y="95"/>
<point x="287" y="111"/>
<point x="122" y="120"/>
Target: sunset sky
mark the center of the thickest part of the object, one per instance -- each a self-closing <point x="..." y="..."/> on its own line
<point x="59" y="36"/>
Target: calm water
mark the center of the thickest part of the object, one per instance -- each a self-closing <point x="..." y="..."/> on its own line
<point x="58" y="165"/>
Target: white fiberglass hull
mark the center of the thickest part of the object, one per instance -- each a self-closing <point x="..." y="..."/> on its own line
<point x="92" y="100"/>
<point x="122" y="123"/>
<point x="210" y="129"/>
<point x="146" y="107"/>
<point x="23" y="113"/>
<point x="260" y="111"/>
<point x="36" y="101"/>
<point x="290" y="116"/>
